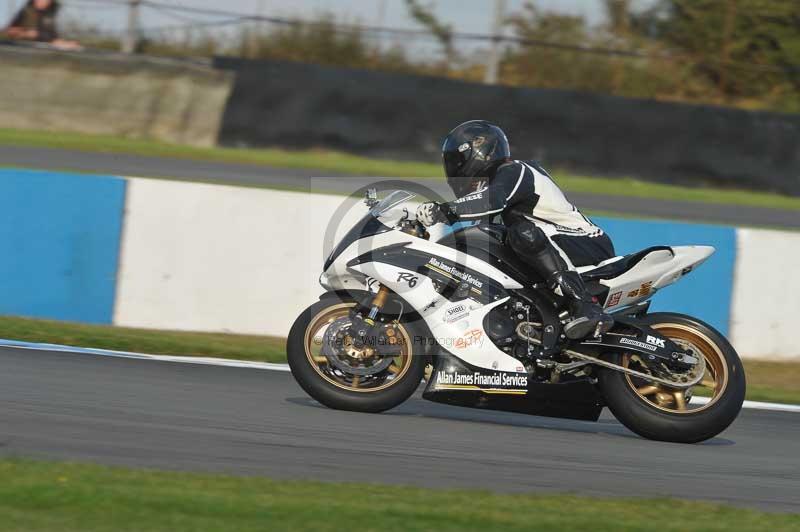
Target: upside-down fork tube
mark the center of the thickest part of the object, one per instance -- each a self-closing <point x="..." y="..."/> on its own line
<point x="377" y="304"/>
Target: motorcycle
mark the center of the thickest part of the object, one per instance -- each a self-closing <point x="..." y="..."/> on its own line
<point x="467" y="316"/>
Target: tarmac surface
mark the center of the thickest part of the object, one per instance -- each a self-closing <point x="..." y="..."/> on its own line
<point x="243" y="174"/>
<point x="255" y="422"/>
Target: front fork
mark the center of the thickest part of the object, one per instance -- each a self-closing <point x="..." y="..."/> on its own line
<point x="365" y="328"/>
<point x="377" y="305"/>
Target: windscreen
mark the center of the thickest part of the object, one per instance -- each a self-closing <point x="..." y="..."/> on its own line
<point x="392" y="200"/>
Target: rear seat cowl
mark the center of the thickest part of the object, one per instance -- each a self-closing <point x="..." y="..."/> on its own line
<point x="622" y="265"/>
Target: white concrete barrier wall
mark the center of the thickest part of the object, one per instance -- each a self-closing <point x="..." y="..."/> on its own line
<point x="218" y="258"/>
<point x="765" y="311"/>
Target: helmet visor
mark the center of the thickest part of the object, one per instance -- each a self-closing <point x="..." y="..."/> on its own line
<point x="453" y="162"/>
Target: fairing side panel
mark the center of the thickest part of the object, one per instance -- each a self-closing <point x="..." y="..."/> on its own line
<point x="461" y="258"/>
<point x="485" y="241"/>
<point x="456" y="326"/>
<point x="458" y="329"/>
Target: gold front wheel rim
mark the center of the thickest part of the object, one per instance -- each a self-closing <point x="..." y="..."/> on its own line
<point x="673" y="400"/>
<point x="312" y="342"/>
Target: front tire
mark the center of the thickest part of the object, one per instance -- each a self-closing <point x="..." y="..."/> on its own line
<point x="660" y="413"/>
<point x="337" y="389"/>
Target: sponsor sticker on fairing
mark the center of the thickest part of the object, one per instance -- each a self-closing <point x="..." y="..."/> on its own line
<point x="492" y="380"/>
<point x="452" y="271"/>
<point x="643" y="291"/>
<point x="455" y="313"/>
<point x="614" y="299"/>
<point x="469" y="338"/>
<point x="408" y="278"/>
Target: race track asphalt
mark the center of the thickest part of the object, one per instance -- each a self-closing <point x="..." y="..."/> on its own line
<point x="242" y="174"/>
<point x="255" y="422"/>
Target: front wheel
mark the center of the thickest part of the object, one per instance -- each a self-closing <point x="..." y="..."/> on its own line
<point x="338" y="373"/>
<point x="661" y="413"/>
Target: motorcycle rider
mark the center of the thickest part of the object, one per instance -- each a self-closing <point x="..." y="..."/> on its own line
<point x="544" y="229"/>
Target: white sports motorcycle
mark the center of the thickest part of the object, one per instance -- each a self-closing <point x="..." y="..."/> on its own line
<point x="465" y="314"/>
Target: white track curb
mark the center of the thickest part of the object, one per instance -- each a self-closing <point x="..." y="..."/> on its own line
<point x="209" y="361"/>
<point x="206" y="361"/>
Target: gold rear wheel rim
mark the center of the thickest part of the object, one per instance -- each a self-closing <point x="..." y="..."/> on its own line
<point x="673" y="400"/>
<point x="312" y="342"/>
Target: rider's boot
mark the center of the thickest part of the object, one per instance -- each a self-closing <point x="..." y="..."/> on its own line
<point x="588" y="318"/>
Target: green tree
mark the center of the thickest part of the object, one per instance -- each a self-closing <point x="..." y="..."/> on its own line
<point x="551" y="67"/>
<point x="748" y="50"/>
<point x="558" y="54"/>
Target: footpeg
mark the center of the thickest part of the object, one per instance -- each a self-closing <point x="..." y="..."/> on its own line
<point x="599" y="329"/>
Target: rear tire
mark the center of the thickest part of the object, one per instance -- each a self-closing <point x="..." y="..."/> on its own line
<point x="338" y="395"/>
<point x="657" y="420"/>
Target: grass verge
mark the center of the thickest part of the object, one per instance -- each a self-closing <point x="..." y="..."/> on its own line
<point x="766" y="381"/>
<point x="773" y="381"/>
<point x="326" y="160"/>
<point x="342" y="163"/>
<point x="221" y="345"/>
<point x="42" y="496"/>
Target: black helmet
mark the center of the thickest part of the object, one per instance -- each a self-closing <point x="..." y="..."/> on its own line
<point x="472" y="150"/>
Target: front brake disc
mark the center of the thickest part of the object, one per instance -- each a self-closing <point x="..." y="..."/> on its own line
<point x="333" y="348"/>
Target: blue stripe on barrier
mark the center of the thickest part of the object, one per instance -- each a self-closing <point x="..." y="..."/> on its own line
<point x="706" y="292"/>
<point x="59" y="244"/>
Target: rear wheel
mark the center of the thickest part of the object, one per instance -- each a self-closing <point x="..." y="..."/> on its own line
<point x="332" y="369"/>
<point x="659" y="412"/>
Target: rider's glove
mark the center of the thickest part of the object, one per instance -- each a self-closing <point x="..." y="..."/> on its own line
<point x="431" y="213"/>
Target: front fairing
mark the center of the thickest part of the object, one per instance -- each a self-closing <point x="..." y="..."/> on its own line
<point x="368" y="226"/>
<point x="382" y="218"/>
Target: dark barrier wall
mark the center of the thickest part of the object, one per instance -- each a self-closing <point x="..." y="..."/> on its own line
<point x="374" y="113"/>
